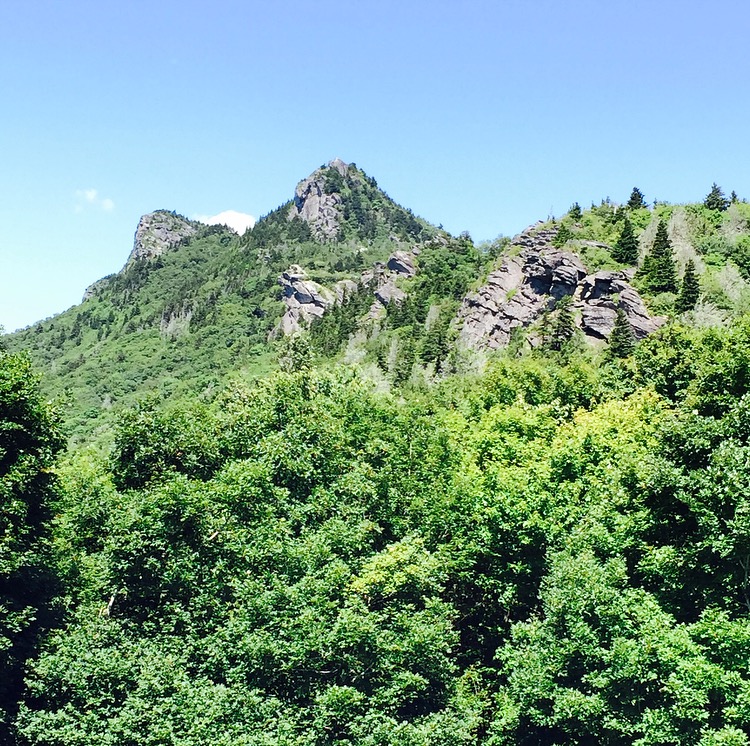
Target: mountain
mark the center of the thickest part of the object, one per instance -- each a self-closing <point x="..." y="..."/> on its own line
<point x="195" y="303"/>
<point x="340" y="484"/>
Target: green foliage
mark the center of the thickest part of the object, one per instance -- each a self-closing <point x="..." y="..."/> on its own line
<point x="689" y="290"/>
<point x="29" y="441"/>
<point x="715" y="199"/>
<point x="575" y="213"/>
<point x="636" y="200"/>
<point x="659" y="269"/>
<point x="563" y="235"/>
<point x="626" y="249"/>
<point x="621" y="340"/>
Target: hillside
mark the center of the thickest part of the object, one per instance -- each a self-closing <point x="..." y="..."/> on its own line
<point x="348" y="479"/>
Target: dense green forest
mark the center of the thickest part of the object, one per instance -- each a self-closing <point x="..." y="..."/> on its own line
<point x="361" y="535"/>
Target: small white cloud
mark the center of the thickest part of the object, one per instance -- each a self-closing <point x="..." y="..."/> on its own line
<point x="91" y="197"/>
<point x="237" y="221"/>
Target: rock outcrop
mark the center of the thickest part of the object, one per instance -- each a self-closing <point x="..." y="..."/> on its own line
<point x="530" y="282"/>
<point x="158" y="232"/>
<point x="96" y="287"/>
<point x="319" y="209"/>
<point x="304" y="299"/>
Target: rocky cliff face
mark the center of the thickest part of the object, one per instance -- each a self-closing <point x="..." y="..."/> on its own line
<point x="304" y="300"/>
<point x="532" y="279"/>
<point x="315" y="206"/>
<point x="158" y="232"/>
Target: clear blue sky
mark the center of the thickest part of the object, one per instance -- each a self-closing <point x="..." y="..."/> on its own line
<point x="482" y="116"/>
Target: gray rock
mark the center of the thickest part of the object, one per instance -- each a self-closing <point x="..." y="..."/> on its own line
<point x="530" y="282"/>
<point x="158" y="232"/>
<point x="389" y="293"/>
<point x="402" y="263"/>
<point x="96" y="287"/>
<point x="317" y="208"/>
<point x="303" y="298"/>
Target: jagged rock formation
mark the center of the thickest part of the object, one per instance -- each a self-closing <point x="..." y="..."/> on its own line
<point x="158" y="232"/>
<point x="319" y="209"/>
<point x="530" y="282"/>
<point x="96" y="287"/>
<point x="304" y="299"/>
<point x="598" y="296"/>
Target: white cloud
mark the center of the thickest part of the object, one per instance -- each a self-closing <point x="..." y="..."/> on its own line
<point x="237" y="221"/>
<point x="85" y="197"/>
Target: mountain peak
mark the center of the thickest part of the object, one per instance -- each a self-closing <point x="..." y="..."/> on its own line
<point x="160" y="231"/>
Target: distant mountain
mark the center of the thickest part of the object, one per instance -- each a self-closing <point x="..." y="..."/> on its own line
<point x="345" y="266"/>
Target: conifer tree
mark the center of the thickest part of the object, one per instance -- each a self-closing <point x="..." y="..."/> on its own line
<point x="563" y="325"/>
<point x="636" y="201"/>
<point x="715" y="199"/>
<point x="659" y="267"/>
<point x="625" y="249"/>
<point x="621" y="339"/>
<point x="575" y="212"/>
<point x="690" y="289"/>
<point x="564" y="234"/>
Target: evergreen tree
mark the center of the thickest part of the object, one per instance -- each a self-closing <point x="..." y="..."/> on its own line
<point x="636" y="201"/>
<point x="690" y="289"/>
<point x="715" y="199"/>
<point x="564" y="234"/>
<point x="563" y="325"/>
<point x="659" y="268"/>
<point x="622" y="339"/>
<point x="733" y="198"/>
<point x="575" y="212"/>
<point x="625" y="249"/>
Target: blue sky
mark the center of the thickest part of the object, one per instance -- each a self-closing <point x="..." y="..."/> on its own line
<point x="482" y="116"/>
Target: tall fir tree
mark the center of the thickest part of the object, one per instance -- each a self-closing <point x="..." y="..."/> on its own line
<point x="621" y="340"/>
<point x="636" y="201"/>
<point x="562" y="326"/>
<point x="575" y="212"/>
<point x="625" y="249"/>
<point x="715" y="199"/>
<point x="659" y="267"/>
<point x="563" y="235"/>
<point x="690" y="289"/>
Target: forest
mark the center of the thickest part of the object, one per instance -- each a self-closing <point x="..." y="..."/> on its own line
<point x="390" y="548"/>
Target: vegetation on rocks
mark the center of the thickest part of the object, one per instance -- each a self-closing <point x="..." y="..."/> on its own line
<point x="364" y="533"/>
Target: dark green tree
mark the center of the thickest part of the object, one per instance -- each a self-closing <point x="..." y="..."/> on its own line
<point x="733" y="198"/>
<point x="564" y="234"/>
<point x="575" y="212"/>
<point x="29" y="441"/>
<point x="689" y="290"/>
<point x="562" y="327"/>
<point x="659" y="268"/>
<point x="625" y="249"/>
<point x="715" y="199"/>
<point x="636" y="201"/>
<point x="621" y="340"/>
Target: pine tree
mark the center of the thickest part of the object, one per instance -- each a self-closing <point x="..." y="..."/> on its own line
<point x="564" y="234"/>
<point x="575" y="212"/>
<point x="690" y="289"/>
<point x="621" y="340"/>
<point x="636" y="201"/>
<point x="659" y="268"/>
<point x="625" y="249"/>
<point x="563" y="325"/>
<point x="715" y="200"/>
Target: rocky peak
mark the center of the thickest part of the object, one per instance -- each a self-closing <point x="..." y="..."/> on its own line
<point x="304" y="300"/>
<point x="316" y="205"/>
<point x="532" y="279"/>
<point x="158" y="232"/>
